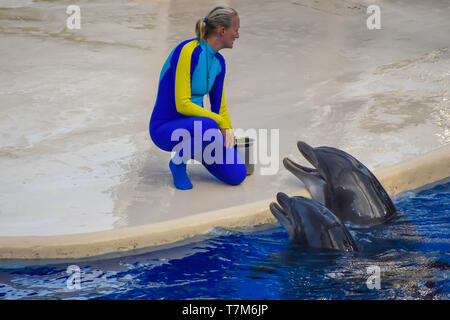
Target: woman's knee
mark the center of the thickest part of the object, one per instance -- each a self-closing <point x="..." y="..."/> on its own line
<point x="233" y="174"/>
<point x="238" y="176"/>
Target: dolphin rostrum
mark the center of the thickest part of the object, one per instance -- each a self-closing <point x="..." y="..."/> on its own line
<point x="310" y="223"/>
<point x="344" y="185"/>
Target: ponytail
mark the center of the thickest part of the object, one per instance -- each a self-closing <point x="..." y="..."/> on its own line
<point x="200" y="29"/>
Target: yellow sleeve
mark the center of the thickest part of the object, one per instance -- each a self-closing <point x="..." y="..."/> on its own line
<point x="183" y="101"/>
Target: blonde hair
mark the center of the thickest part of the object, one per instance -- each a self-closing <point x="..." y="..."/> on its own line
<point x="218" y="17"/>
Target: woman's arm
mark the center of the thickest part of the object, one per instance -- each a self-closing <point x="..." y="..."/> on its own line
<point x="217" y="95"/>
<point x="183" y="101"/>
<point x="219" y="104"/>
<point x="223" y="110"/>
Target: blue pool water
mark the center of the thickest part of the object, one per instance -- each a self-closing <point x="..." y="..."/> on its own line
<point x="411" y="252"/>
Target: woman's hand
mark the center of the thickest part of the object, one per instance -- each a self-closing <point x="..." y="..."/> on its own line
<point x="229" y="139"/>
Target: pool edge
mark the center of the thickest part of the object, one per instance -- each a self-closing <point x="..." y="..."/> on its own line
<point x="408" y="175"/>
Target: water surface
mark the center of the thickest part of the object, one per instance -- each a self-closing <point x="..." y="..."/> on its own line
<point x="412" y="252"/>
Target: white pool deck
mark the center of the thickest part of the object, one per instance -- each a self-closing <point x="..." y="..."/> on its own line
<point x="80" y="174"/>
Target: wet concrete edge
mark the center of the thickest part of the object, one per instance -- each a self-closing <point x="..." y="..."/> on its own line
<point x="405" y="176"/>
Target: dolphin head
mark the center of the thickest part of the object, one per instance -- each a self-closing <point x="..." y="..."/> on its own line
<point x="312" y="178"/>
<point x="343" y="184"/>
<point x="282" y="210"/>
<point x="310" y="223"/>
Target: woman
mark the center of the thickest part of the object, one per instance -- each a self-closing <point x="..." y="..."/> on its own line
<point x="194" y="68"/>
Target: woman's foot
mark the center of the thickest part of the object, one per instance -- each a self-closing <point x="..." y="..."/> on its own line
<point x="180" y="177"/>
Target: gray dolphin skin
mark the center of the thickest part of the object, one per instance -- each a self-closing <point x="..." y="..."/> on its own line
<point x="310" y="223"/>
<point x="344" y="185"/>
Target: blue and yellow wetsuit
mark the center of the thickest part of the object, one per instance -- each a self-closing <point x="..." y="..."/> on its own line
<point x="182" y="86"/>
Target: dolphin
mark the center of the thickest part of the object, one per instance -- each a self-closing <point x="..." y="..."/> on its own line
<point x="344" y="185"/>
<point x="310" y="223"/>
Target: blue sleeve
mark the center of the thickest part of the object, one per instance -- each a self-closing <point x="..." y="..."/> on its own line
<point x="217" y="95"/>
